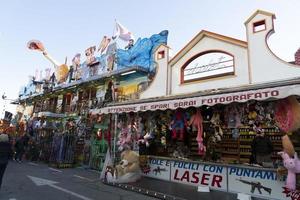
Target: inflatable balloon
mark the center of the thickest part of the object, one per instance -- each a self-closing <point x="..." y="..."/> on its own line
<point x="35" y="45"/>
<point x="61" y="70"/>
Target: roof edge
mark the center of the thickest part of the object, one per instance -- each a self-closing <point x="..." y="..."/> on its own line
<point x="259" y="12"/>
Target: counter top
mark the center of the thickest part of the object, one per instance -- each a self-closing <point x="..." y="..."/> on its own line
<point x="214" y="163"/>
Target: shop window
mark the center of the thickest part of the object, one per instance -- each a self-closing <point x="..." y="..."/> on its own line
<point x="259" y="26"/>
<point x="205" y="65"/>
<point x="160" y="55"/>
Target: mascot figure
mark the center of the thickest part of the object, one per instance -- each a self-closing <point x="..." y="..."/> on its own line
<point x="128" y="170"/>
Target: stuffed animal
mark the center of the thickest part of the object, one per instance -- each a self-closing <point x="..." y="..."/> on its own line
<point x="125" y="137"/>
<point x="145" y="139"/>
<point x="293" y="167"/>
<point x="178" y="122"/>
<point x="128" y="170"/>
<point x="284" y="115"/>
<point x="196" y="121"/>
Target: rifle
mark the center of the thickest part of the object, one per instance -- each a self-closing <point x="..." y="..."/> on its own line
<point x="255" y="185"/>
<point x="158" y="170"/>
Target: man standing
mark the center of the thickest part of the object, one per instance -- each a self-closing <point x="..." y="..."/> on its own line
<point x="20" y="149"/>
<point x="262" y="148"/>
<point x="5" y="154"/>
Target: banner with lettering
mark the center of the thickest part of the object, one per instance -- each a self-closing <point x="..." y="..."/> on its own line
<point x="210" y="100"/>
<point x="256" y="182"/>
<point x="196" y="174"/>
<point x="159" y="169"/>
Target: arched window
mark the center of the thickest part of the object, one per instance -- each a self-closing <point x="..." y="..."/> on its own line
<point x="208" y="64"/>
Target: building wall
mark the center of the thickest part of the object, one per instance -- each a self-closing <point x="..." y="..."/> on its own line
<point x="158" y="86"/>
<point x="241" y="76"/>
<point x="265" y="66"/>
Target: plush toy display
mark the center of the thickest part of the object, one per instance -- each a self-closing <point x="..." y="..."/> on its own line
<point x="145" y="139"/>
<point x="128" y="170"/>
<point x="178" y="122"/>
<point x="287" y="114"/>
<point x="196" y="121"/>
<point x="293" y="167"/>
<point x="125" y="137"/>
<point x="288" y="145"/>
<point x="284" y="115"/>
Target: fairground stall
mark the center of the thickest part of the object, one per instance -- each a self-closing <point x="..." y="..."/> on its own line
<point x="197" y="120"/>
<point x="60" y="98"/>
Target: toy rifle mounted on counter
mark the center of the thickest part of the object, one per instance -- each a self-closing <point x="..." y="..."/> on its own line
<point x="256" y="185"/>
<point x="158" y="170"/>
<point x="61" y="70"/>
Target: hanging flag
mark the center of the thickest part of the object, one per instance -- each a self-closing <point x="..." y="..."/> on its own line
<point x="103" y="45"/>
<point x="122" y="32"/>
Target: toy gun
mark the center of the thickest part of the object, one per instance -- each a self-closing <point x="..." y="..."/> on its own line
<point x="255" y="185"/>
<point x="158" y="170"/>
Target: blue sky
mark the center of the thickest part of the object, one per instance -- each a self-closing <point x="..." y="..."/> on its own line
<point x="67" y="27"/>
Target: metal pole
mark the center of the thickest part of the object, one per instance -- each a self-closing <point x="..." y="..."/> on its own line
<point x="115" y="137"/>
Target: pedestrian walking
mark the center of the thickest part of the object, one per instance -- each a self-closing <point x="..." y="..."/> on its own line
<point x="5" y="154"/>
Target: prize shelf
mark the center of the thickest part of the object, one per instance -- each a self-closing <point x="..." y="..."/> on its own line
<point x="242" y="145"/>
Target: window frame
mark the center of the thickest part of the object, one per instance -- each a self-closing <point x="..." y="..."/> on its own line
<point x="182" y="81"/>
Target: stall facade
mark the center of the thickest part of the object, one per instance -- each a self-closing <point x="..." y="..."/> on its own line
<point x="198" y="118"/>
<point x="59" y="99"/>
<point x="192" y="118"/>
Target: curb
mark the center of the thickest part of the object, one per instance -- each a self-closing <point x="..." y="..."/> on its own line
<point x="143" y="191"/>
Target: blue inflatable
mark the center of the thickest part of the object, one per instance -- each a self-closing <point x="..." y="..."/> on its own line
<point x="141" y="54"/>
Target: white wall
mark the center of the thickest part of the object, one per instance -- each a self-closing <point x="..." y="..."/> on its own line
<point x="158" y="87"/>
<point x="241" y="76"/>
<point x="264" y="65"/>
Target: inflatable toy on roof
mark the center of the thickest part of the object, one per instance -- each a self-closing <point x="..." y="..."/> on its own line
<point x="61" y="70"/>
<point x="141" y="53"/>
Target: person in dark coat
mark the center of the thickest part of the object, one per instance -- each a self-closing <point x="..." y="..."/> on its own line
<point x="20" y="149"/>
<point x="262" y="148"/>
<point x="5" y="154"/>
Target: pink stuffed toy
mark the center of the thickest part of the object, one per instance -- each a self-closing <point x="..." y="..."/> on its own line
<point x="125" y="138"/>
<point x="197" y="120"/>
<point x="293" y="167"/>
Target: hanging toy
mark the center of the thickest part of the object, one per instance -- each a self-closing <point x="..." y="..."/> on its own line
<point x="293" y="167"/>
<point x="196" y="121"/>
<point x="145" y="139"/>
<point x="99" y="134"/>
<point x="178" y="122"/>
<point x="215" y="119"/>
<point x="284" y="115"/>
<point x="217" y="137"/>
<point x="125" y="138"/>
<point x="296" y="113"/>
<point x="163" y="141"/>
<point x="252" y="112"/>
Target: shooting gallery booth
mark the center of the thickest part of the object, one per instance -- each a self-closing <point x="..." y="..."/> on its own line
<point x="197" y="121"/>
